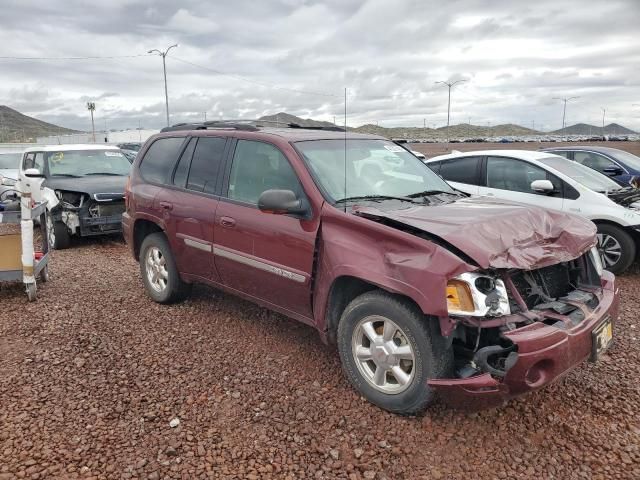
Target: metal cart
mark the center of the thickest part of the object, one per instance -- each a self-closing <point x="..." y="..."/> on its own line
<point x="18" y="261"/>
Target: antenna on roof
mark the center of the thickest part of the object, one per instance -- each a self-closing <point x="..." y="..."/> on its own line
<point x="345" y="149"/>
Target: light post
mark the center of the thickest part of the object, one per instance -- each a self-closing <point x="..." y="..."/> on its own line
<point x="449" y="84"/>
<point x="91" y="107"/>
<point x="564" y="110"/>
<point x="603" y="112"/>
<point x="164" y="69"/>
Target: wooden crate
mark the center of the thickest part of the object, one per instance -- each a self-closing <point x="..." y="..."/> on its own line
<point x="11" y="252"/>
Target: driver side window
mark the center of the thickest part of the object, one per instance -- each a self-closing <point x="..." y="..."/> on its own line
<point x="593" y="160"/>
<point x="33" y="160"/>
<point x="513" y="175"/>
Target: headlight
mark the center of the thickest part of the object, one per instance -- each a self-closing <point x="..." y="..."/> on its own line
<point x="7" y="182"/>
<point x="597" y="261"/>
<point x="477" y="295"/>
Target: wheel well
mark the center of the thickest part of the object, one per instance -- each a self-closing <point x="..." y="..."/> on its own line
<point x="141" y="229"/>
<point x="343" y="291"/>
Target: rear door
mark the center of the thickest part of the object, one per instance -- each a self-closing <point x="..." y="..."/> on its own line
<point x="511" y="178"/>
<point x="189" y="203"/>
<point x="263" y="255"/>
<point x="462" y="173"/>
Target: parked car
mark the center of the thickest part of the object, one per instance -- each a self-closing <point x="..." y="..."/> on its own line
<point x="84" y="188"/>
<point x="130" y="150"/>
<point x="9" y="163"/>
<point x="623" y="167"/>
<point x="550" y="181"/>
<point x="422" y="289"/>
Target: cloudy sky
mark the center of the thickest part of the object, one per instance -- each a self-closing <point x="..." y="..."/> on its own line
<point x="247" y="58"/>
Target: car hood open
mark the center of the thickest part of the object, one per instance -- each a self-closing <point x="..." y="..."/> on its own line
<point x="493" y="233"/>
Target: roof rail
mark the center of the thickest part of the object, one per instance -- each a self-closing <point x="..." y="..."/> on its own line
<point x="243" y="124"/>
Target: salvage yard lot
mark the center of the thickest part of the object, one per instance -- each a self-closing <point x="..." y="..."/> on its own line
<point x="94" y="371"/>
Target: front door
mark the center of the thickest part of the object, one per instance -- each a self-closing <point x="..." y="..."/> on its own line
<point x="510" y="179"/>
<point x="264" y="255"/>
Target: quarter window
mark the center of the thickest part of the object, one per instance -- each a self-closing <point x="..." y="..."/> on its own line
<point x="511" y="174"/>
<point x="182" y="170"/>
<point x="205" y="165"/>
<point x="257" y="167"/>
<point x="462" y="170"/>
<point x="160" y="158"/>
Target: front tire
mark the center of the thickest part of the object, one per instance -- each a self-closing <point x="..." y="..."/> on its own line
<point x="617" y="248"/>
<point x="58" y="235"/>
<point x="389" y="349"/>
<point x="159" y="272"/>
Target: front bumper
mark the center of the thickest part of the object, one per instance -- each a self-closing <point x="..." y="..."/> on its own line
<point x="545" y="353"/>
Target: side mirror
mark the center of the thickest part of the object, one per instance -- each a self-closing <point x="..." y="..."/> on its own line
<point x="612" y="171"/>
<point x="542" y="186"/>
<point x="282" y="202"/>
<point x="32" y="173"/>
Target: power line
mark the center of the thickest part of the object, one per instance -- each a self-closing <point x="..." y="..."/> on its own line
<point x="262" y="84"/>
<point x="77" y="58"/>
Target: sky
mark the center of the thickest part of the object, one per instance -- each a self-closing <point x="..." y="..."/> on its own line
<point x="247" y="58"/>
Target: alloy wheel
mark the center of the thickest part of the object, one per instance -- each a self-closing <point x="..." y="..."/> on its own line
<point x="610" y="249"/>
<point x="51" y="233"/>
<point x="383" y="354"/>
<point x="156" y="268"/>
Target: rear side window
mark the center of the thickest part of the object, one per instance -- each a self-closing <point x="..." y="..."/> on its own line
<point x="160" y="158"/>
<point x="257" y="167"/>
<point x="182" y="170"/>
<point x="462" y="170"/>
<point x="205" y="165"/>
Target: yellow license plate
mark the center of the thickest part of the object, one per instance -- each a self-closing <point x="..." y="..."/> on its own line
<point x="602" y="338"/>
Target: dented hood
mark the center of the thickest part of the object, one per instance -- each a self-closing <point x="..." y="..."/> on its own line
<point x="493" y="233"/>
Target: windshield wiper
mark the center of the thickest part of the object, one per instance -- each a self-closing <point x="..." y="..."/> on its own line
<point x="105" y="173"/>
<point x="428" y="193"/>
<point x="65" y="175"/>
<point x="374" y="198"/>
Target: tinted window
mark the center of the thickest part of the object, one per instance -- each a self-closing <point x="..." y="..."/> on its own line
<point x="593" y="160"/>
<point x="511" y="174"/>
<point x="257" y="167"/>
<point x="435" y="166"/>
<point x="463" y="170"/>
<point x="182" y="170"/>
<point x="205" y="165"/>
<point x="160" y="158"/>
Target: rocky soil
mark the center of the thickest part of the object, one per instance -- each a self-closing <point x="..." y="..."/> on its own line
<point x="97" y="381"/>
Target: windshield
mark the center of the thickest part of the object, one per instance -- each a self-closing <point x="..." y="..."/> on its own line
<point x="586" y="176"/>
<point x="10" y="161"/>
<point x="87" y="162"/>
<point x="374" y="168"/>
<point x="629" y="159"/>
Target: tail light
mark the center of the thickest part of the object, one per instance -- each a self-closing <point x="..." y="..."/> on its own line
<point x="127" y="192"/>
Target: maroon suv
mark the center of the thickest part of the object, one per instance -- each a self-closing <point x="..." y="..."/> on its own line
<point x="422" y="289"/>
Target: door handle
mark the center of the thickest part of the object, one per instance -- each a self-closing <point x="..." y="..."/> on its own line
<point x="227" y="222"/>
<point x="166" y="205"/>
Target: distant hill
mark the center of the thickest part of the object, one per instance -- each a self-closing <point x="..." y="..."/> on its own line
<point x="16" y="127"/>
<point x="586" y="129"/>
<point x="285" y="118"/>
<point x="463" y="130"/>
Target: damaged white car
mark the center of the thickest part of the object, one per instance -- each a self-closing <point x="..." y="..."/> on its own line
<point x="83" y="186"/>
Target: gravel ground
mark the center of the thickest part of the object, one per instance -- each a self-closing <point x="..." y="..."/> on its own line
<point x="94" y="375"/>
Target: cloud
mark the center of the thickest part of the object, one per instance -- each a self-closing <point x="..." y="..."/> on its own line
<point x="517" y="56"/>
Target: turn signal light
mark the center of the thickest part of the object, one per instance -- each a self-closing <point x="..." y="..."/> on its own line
<point x="459" y="298"/>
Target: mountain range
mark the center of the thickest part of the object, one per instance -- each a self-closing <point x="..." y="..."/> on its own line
<point x="17" y="127"/>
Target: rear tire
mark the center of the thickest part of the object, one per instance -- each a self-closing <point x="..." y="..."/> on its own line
<point x="617" y="248"/>
<point x="401" y="386"/>
<point x="159" y="272"/>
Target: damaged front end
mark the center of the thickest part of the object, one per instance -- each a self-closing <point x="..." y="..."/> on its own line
<point x="518" y="330"/>
<point x="89" y="215"/>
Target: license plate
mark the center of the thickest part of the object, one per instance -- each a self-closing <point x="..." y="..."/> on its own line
<point x="602" y="337"/>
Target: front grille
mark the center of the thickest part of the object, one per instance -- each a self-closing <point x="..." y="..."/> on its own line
<point x="551" y="283"/>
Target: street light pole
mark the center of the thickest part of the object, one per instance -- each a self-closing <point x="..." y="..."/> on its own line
<point x="564" y="110"/>
<point x="449" y="84"/>
<point x="91" y="107"/>
<point x="163" y="54"/>
<point x="603" y="112"/>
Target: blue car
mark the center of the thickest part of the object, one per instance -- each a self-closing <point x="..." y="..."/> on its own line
<point x="623" y="167"/>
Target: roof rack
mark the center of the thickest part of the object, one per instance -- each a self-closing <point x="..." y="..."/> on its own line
<point x="243" y="124"/>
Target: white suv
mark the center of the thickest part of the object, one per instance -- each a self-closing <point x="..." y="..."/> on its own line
<point x="551" y="181"/>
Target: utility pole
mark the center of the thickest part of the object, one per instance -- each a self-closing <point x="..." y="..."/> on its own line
<point x="564" y="109"/>
<point x="163" y="54"/>
<point x="205" y="116"/>
<point x="91" y="107"/>
<point x="449" y="84"/>
<point x="603" y="113"/>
